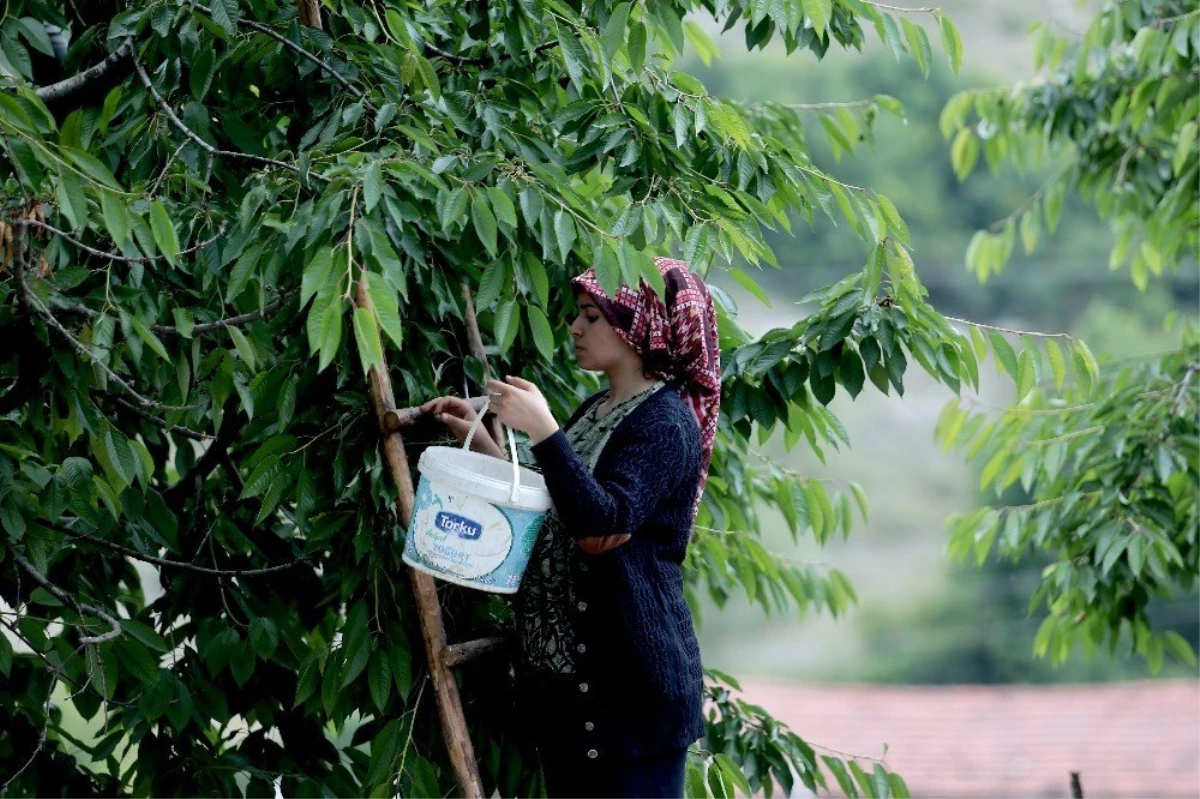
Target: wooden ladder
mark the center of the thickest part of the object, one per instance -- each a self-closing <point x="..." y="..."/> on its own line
<point x="440" y="655"/>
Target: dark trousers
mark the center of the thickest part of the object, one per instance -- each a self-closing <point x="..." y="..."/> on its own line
<point x="572" y="775"/>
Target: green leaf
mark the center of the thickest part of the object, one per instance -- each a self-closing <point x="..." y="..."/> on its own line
<point x="366" y="336"/>
<point x="329" y="331"/>
<point x="164" y="232"/>
<point x="819" y="13"/>
<point x="147" y="335"/>
<point x="895" y="222"/>
<point x="874" y="274"/>
<point x="539" y="280"/>
<point x="372" y="186"/>
<point x="898" y="786"/>
<point x="964" y="152"/>
<point x="636" y="46"/>
<point x="564" y="231"/>
<point x="502" y="206"/>
<point x="508" y="319"/>
<point x="455" y="207"/>
<point x="71" y="199"/>
<point x="239" y="276"/>
<point x="608" y="269"/>
<point x="121" y="455"/>
<point x="838" y="769"/>
<point x="1005" y="355"/>
<point x="387" y="307"/>
<point x="396" y="26"/>
<point x="264" y="637"/>
<point x="243" y="347"/>
<point x="749" y="284"/>
<point x="918" y="43"/>
<point x="226" y="13"/>
<point x="484" y="221"/>
<point x="1185" y="146"/>
<point x="951" y="41"/>
<point x="882" y="786"/>
<point x="543" y="336"/>
<point x="316" y="274"/>
<point x="1057" y="362"/>
<point x="379" y="678"/>
<point x="614" y="29"/>
<point x="116" y="217"/>
<point x="1026" y="374"/>
<point x="1177" y="645"/>
<point x="574" y="58"/>
<point x="1084" y="362"/>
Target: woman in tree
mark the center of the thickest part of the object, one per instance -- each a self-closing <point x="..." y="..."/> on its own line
<point x="609" y="669"/>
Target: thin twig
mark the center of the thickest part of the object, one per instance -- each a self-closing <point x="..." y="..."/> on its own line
<point x="822" y="106"/>
<point x="64" y="88"/>
<point x="232" y="321"/>
<point x="177" y="564"/>
<point x="922" y="10"/>
<point x="208" y="148"/>
<point x="1183" y="387"/>
<point x="186" y="432"/>
<point x="205" y="327"/>
<point x="111" y="256"/>
<point x="80" y="607"/>
<point x="163" y="174"/>
<point x="31" y="302"/>
<point x="1009" y="329"/>
<point x="288" y="43"/>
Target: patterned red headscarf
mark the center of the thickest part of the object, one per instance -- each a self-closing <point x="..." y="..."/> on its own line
<point x="676" y="339"/>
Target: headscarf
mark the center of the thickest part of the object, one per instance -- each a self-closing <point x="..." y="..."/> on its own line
<point x="676" y="339"/>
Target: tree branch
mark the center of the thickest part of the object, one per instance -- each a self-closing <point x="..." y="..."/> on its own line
<point x="208" y="148"/>
<point x="31" y="303"/>
<point x="80" y="607"/>
<point x="286" y="42"/>
<point x="205" y="327"/>
<point x="113" y="256"/>
<point x="1181" y="393"/>
<point x="176" y="564"/>
<point x="232" y="321"/>
<point x="186" y="432"/>
<point x="77" y="83"/>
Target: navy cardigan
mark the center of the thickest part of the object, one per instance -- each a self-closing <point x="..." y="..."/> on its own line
<point x="639" y="690"/>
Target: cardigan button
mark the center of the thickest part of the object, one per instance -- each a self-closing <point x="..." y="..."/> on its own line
<point x="593" y="754"/>
<point x="582" y="606"/>
<point x="583" y="688"/>
<point x="581" y="648"/>
<point x="589" y="726"/>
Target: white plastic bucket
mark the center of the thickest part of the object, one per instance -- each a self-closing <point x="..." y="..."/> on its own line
<point x="475" y="518"/>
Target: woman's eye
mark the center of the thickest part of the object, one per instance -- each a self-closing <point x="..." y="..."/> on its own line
<point x="592" y="319"/>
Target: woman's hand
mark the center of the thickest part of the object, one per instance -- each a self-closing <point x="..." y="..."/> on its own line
<point x="520" y="405"/>
<point x="458" y="415"/>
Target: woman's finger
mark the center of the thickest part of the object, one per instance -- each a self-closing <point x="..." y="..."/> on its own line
<point x="521" y="383"/>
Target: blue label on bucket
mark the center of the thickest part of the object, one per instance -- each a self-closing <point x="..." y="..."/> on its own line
<point x="459" y="537"/>
<point x="462" y="527"/>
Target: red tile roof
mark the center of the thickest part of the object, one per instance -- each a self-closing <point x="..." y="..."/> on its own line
<point x="1134" y="739"/>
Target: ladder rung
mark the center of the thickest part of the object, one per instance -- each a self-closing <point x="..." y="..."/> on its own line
<point x="457" y="654"/>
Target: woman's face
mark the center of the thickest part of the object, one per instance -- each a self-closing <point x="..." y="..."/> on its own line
<point x="598" y="348"/>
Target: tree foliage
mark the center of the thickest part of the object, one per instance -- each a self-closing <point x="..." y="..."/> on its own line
<point x="1111" y="459"/>
<point x="186" y="395"/>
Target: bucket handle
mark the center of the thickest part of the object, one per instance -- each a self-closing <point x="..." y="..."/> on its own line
<point x="512" y="448"/>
